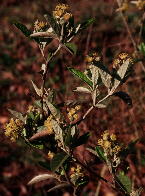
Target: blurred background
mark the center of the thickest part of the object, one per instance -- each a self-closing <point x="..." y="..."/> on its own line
<point x="20" y="62"/>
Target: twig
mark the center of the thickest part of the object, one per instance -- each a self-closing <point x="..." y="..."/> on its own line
<point x="45" y="73"/>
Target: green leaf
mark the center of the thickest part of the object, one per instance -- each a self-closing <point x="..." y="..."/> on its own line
<point x="58" y="160"/>
<point x="81" y="140"/>
<point x="72" y="47"/>
<point x="125" y="181"/>
<point x="141" y="48"/>
<point x="85" y="24"/>
<point x="17" y="115"/>
<point x="23" y="29"/>
<point x="81" y="75"/>
<point x="100" y="153"/>
<point x="45" y="165"/>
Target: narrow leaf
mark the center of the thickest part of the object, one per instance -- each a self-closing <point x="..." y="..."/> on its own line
<point x="58" y="160"/>
<point x="125" y="181"/>
<point x="81" y="140"/>
<point x="72" y="47"/>
<point x="82" y="90"/>
<point x="100" y="153"/>
<point x="58" y="187"/>
<point x="85" y="24"/>
<point x="23" y="29"/>
<point x="124" y="96"/>
<point x="81" y="75"/>
<point x="40" y="178"/>
<point x="17" y="115"/>
<point x="121" y="73"/>
<point x="37" y="90"/>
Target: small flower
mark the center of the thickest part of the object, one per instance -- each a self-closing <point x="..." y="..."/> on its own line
<point x="72" y="113"/>
<point x="89" y="59"/>
<point x="113" y="137"/>
<point x="121" y="58"/>
<point x="116" y="149"/>
<point x="105" y="135"/>
<point x="93" y="57"/>
<point x="13" y="128"/>
<point x="67" y="16"/>
<point x="77" y="107"/>
<point x="100" y="142"/>
<point x="50" y="155"/>
<point x="106" y="144"/>
<point x="48" y="125"/>
<point x="38" y="26"/>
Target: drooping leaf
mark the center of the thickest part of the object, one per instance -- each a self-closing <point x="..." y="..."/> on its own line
<point x="59" y="186"/>
<point x="81" y="75"/>
<point x="124" y="96"/>
<point x="41" y="134"/>
<point x="40" y="178"/>
<point x="58" y="160"/>
<point x="72" y="47"/>
<point x="125" y="181"/>
<point x="130" y="149"/>
<point x="81" y="140"/>
<point x="17" y="115"/>
<point x="23" y="29"/>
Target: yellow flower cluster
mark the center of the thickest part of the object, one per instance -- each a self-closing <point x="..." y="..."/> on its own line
<point x="76" y="172"/>
<point x="50" y="155"/>
<point x="108" y="143"/>
<point x="61" y="12"/>
<point x="121" y="58"/>
<point x="13" y="128"/>
<point x="48" y="125"/>
<point x="93" y="57"/>
<point x="38" y="26"/>
<point x="72" y="113"/>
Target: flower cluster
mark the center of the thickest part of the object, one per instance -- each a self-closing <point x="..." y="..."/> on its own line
<point x="121" y="58"/>
<point x="76" y="173"/>
<point x="48" y="125"/>
<point x="13" y="128"/>
<point x="93" y="57"/>
<point x="40" y="26"/>
<point x="109" y="144"/>
<point x="72" y="113"/>
<point x="61" y="13"/>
